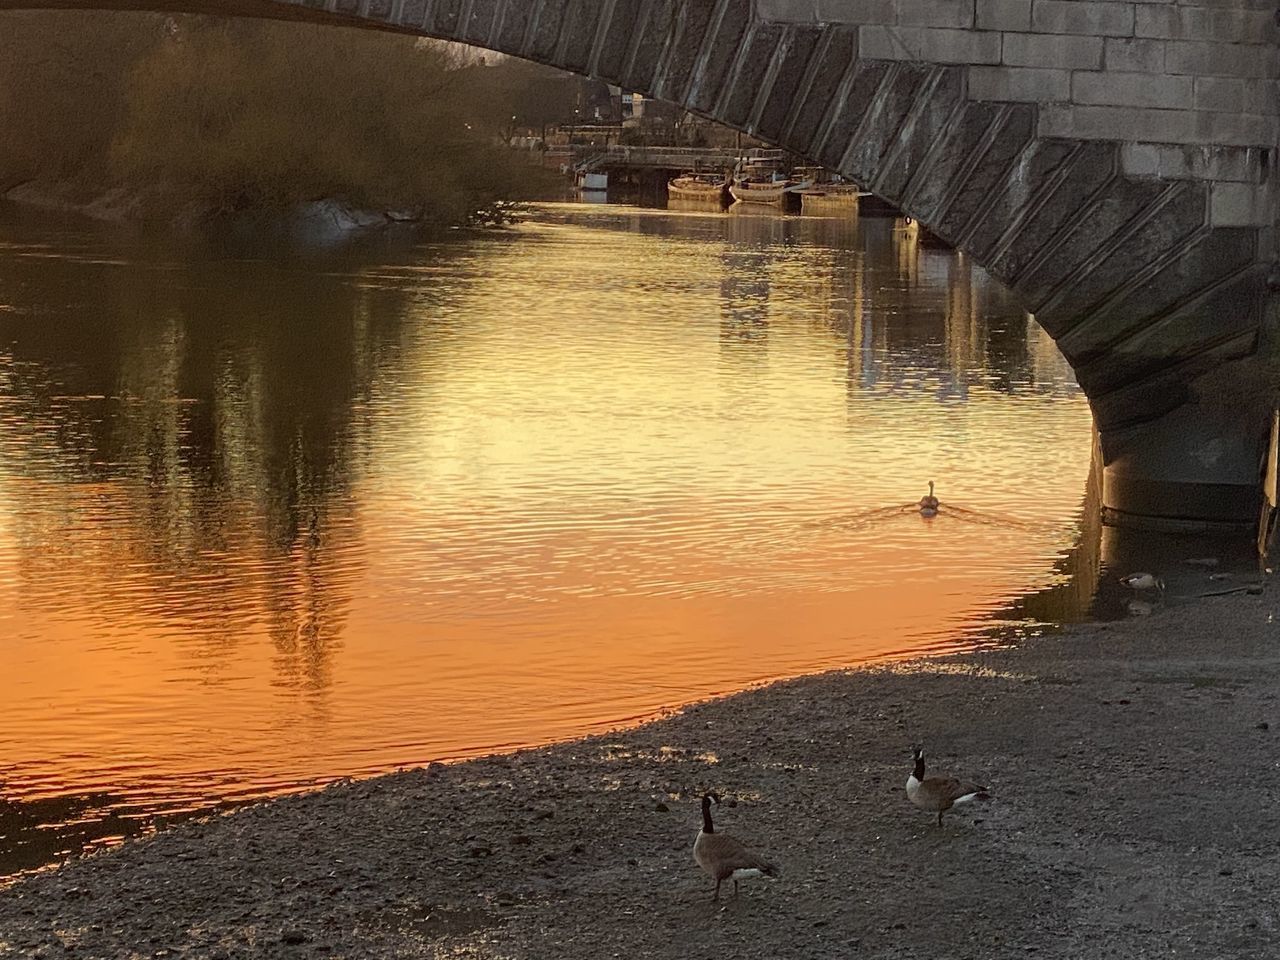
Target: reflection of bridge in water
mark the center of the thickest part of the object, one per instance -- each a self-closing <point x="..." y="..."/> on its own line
<point x="936" y="308"/>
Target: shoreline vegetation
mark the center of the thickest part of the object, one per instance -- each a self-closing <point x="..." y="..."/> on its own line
<point x="180" y="120"/>
<point x="1133" y="815"/>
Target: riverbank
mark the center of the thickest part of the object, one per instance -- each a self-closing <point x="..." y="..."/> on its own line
<point x="161" y="209"/>
<point x="1135" y="810"/>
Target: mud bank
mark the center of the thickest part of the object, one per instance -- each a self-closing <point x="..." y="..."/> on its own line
<point x="1136" y="814"/>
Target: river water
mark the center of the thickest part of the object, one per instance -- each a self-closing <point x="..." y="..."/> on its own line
<point x="271" y="518"/>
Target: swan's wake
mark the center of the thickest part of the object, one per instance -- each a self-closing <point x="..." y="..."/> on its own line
<point x="879" y="515"/>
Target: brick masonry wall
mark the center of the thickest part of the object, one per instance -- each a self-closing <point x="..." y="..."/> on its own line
<point x="1192" y="89"/>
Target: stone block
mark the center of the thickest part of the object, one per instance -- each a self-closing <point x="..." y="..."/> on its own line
<point x="444" y="16"/>
<point x="1190" y="161"/>
<point x="892" y="105"/>
<point x="694" y="22"/>
<point x="1131" y="89"/>
<point x="1086" y="172"/>
<point x="972" y="199"/>
<point x="379" y="10"/>
<point x="1084" y="17"/>
<point x="812" y="113"/>
<point x="1167" y="320"/>
<point x="1236" y="95"/>
<point x="1240" y="129"/>
<point x="1035" y="170"/>
<point x="1153" y="371"/>
<point x="930" y="193"/>
<point x="1140" y="159"/>
<point x="412" y="13"/>
<point x="1173" y="22"/>
<point x="1128" y="54"/>
<point x="1065" y="53"/>
<point x="1014" y="15"/>
<point x="480" y="19"/>
<point x="857" y="11"/>
<point x="788" y="11"/>
<point x="1269" y="246"/>
<point x="1213" y="256"/>
<point x="516" y="21"/>
<point x="710" y="84"/>
<point x="741" y="101"/>
<point x="1121" y="124"/>
<point x="1076" y="251"/>
<point x="1221" y="59"/>
<point x="649" y="37"/>
<point x="1165" y="231"/>
<point x="1228" y="4"/>
<point x="864" y="86"/>
<point x="1056" y="120"/>
<point x="546" y="36"/>
<point x="935" y="13"/>
<point x="583" y="18"/>
<point x="610" y="59"/>
<point x="1019" y="83"/>
<point x="1241" y="205"/>
<point x="783" y="94"/>
<point x="931" y="45"/>
<point x="927" y="125"/>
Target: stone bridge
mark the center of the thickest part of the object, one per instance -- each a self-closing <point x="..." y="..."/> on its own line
<point x="1111" y="162"/>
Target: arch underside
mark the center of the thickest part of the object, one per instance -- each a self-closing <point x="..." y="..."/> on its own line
<point x="1140" y="292"/>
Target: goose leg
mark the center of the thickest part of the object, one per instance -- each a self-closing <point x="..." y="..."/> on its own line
<point x="939" y="818"/>
<point x="717" y="896"/>
<point x="735" y="889"/>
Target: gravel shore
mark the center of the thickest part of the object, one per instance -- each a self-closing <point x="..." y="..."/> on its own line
<point x="1136" y="813"/>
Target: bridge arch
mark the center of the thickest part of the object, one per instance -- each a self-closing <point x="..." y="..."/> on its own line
<point x="1155" y="299"/>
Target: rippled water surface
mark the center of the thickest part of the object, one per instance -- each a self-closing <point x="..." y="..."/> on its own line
<point x="266" y="520"/>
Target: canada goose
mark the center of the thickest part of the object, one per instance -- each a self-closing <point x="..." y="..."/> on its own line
<point x="1143" y="581"/>
<point x="929" y="503"/>
<point x="939" y="793"/>
<point x="725" y="857"/>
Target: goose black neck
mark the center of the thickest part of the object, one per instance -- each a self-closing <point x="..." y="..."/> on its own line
<point x="918" y="773"/>
<point x="706" y="816"/>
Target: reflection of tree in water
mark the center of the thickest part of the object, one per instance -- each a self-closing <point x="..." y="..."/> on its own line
<point x="222" y="411"/>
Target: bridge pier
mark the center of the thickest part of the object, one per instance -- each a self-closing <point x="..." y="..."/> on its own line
<point x="1198" y="468"/>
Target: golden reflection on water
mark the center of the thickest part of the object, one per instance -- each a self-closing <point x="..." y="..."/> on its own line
<point x="267" y="522"/>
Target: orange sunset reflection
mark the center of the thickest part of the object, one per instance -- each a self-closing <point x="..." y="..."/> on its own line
<point x="264" y="524"/>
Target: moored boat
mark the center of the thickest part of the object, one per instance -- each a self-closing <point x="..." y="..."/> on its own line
<point x="707" y="187"/>
<point x="839" y="194"/>
<point x="759" y="191"/>
<point x="757" y="184"/>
